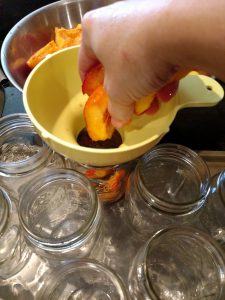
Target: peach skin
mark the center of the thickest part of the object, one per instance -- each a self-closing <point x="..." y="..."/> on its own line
<point x="97" y="117"/>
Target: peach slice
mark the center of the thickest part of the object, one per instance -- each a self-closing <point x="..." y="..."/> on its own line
<point x="97" y="117"/>
<point x="154" y="107"/>
<point x="63" y="38"/>
<point x="93" y="79"/>
<point x="68" y="37"/>
<point x="98" y="174"/>
<point x="143" y="104"/>
<point x="39" y="55"/>
<point x="168" y="91"/>
<point x="164" y="94"/>
<point x="112" y="187"/>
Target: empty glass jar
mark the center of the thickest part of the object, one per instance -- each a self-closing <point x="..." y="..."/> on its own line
<point x="84" y="279"/>
<point x="22" y="152"/>
<point x="214" y="211"/>
<point x="14" y="253"/>
<point x="168" y="187"/>
<point x="109" y="182"/>
<point x="177" y="264"/>
<point x="61" y="215"/>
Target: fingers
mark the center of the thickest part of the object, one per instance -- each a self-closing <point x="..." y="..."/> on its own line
<point x="86" y="60"/>
<point x="117" y="123"/>
<point x="121" y="113"/>
<point x="87" y="57"/>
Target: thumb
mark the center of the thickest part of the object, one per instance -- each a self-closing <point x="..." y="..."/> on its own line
<point x="86" y="60"/>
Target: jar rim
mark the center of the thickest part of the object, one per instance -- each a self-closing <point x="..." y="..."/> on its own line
<point x="172" y="151"/>
<point x="210" y="245"/>
<point x="90" y="264"/>
<point x="88" y="166"/>
<point x="6" y="208"/>
<point x="221" y="186"/>
<point x="11" y="125"/>
<point x="38" y="185"/>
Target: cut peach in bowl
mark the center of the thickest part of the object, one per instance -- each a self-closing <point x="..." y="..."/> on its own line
<point x="54" y="101"/>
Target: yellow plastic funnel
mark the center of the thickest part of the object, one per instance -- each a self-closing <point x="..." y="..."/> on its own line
<point x="54" y="102"/>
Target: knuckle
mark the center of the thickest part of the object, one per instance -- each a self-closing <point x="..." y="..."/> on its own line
<point x="87" y="20"/>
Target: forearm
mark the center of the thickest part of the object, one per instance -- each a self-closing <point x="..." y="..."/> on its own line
<point x="196" y="35"/>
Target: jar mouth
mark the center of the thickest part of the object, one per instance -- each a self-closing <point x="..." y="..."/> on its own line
<point x="21" y="148"/>
<point x="58" y="208"/>
<point x="180" y="247"/>
<point x="221" y="186"/>
<point x="173" y="179"/>
<point x="5" y="208"/>
<point x="84" y="275"/>
<point x="99" y="172"/>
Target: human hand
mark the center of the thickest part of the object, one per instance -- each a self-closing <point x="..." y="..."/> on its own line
<point x="124" y="37"/>
<point x="142" y="43"/>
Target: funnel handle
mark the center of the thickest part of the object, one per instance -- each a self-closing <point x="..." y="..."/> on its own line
<point x="199" y="91"/>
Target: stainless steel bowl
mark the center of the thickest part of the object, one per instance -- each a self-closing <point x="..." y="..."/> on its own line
<point x="35" y="30"/>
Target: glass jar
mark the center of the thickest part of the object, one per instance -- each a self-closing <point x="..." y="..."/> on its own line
<point x="169" y="186"/>
<point x="84" y="279"/>
<point x="214" y="211"/>
<point x="109" y="182"/>
<point x="14" y="253"/>
<point x="22" y="153"/>
<point x="176" y="264"/>
<point x="60" y="215"/>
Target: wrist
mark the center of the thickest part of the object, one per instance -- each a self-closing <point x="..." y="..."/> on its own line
<point x="194" y="35"/>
